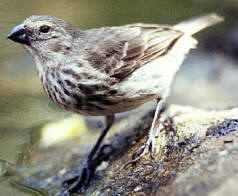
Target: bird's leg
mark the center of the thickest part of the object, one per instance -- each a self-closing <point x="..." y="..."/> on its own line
<point x="94" y="158"/>
<point x="149" y="145"/>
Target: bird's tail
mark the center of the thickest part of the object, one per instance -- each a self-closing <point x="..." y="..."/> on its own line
<point x="194" y="25"/>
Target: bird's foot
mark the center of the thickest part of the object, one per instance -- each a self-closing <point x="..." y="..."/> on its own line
<point x="75" y="184"/>
<point x="147" y="147"/>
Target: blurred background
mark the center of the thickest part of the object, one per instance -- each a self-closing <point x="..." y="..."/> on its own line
<point x="28" y="119"/>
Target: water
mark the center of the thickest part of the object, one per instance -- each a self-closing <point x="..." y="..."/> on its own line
<point x="24" y="109"/>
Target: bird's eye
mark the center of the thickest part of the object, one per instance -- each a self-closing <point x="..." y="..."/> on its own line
<point x="44" y="29"/>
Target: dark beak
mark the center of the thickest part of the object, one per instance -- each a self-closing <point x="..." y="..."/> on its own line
<point x="18" y="34"/>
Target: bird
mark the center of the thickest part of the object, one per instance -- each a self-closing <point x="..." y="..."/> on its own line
<point x="107" y="70"/>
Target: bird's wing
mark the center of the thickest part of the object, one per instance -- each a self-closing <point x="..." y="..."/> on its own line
<point x="118" y="51"/>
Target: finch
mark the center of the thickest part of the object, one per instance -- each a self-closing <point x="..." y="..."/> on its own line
<point x="103" y="71"/>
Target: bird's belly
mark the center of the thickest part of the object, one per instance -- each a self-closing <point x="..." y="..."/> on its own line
<point x="101" y="105"/>
<point x="154" y="78"/>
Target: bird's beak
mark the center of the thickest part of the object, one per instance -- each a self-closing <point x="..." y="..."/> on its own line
<point x="18" y="34"/>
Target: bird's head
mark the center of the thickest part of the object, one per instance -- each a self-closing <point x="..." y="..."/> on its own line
<point x="44" y="35"/>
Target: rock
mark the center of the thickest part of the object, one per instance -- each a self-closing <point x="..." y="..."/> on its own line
<point x="196" y="155"/>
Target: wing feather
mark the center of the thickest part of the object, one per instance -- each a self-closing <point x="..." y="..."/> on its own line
<point x="118" y="51"/>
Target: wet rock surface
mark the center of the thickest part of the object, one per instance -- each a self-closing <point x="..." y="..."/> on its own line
<point x="196" y="155"/>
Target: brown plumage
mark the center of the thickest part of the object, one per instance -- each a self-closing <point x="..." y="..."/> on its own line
<point x="107" y="70"/>
<point x="119" y="51"/>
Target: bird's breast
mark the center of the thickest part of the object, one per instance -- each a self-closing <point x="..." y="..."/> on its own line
<point x="72" y="91"/>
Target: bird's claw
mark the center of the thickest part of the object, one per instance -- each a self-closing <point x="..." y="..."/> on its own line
<point x="148" y="146"/>
<point x="73" y="185"/>
<point x="144" y="149"/>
